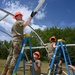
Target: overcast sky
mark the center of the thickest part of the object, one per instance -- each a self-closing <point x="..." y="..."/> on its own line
<point x="59" y="13"/>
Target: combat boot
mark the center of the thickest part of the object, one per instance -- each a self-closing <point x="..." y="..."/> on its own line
<point x="4" y="72"/>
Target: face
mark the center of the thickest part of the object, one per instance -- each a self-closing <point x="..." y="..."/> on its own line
<point x="35" y="57"/>
<point x="18" y="17"/>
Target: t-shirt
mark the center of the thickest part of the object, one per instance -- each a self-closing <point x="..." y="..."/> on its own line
<point x="38" y="72"/>
<point x="50" y="47"/>
<point x="17" y="28"/>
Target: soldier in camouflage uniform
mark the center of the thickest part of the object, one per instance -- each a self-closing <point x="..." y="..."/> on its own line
<point x="51" y="45"/>
<point x="17" y="31"/>
<point x="37" y="64"/>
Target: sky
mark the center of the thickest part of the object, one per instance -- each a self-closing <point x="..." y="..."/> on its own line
<point x="59" y="13"/>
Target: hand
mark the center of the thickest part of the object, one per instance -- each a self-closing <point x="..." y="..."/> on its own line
<point x="33" y="14"/>
<point x="69" y="65"/>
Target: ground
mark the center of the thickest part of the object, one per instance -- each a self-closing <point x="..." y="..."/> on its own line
<point x="20" y="71"/>
<point x="44" y="67"/>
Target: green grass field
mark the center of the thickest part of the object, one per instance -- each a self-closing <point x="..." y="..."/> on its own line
<point x="44" y="68"/>
<point x="20" y="71"/>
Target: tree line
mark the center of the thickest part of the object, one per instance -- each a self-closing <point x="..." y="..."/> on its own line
<point x="67" y="34"/>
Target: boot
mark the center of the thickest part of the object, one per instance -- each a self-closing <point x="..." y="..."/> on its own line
<point x="4" y="71"/>
<point x="10" y="71"/>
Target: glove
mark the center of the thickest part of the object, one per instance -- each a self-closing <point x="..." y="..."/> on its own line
<point x="33" y="14"/>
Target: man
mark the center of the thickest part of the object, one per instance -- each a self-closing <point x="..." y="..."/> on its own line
<point x="51" y="45"/>
<point x="37" y="63"/>
<point x="17" y="31"/>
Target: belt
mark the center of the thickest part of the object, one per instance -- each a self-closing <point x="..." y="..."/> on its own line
<point x="18" y="36"/>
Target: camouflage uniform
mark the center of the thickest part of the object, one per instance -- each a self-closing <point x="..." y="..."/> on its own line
<point x="50" y="54"/>
<point x="50" y="50"/>
<point x="17" y="30"/>
<point x="59" y="69"/>
<point x="15" y="50"/>
<point x="38" y="72"/>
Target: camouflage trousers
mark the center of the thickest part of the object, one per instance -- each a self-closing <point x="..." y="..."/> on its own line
<point x="49" y="60"/>
<point x="50" y="55"/>
<point x="14" y="52"/>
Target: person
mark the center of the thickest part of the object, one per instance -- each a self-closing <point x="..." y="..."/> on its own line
<point x="51" y="46"/>
<point x="72" y="67"/>
<point x="37" y="64"/>
<point x="50" y="49"/>
<point x="59" y="69"/>
<point x="17" y="31"/>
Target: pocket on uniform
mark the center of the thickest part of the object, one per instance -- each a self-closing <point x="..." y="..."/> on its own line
<point x="17" y="47"/>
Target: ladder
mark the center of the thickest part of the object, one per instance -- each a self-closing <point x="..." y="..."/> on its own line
<point x="60" y="49"/>
<point x="21" y="55"/>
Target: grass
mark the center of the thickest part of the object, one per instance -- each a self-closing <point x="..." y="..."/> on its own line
<point x="20" y="71"/>
<point x="44" y="68"/>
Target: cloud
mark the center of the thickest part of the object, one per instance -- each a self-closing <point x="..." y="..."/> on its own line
<point x="34" y="26"/>
<point x="7" y="26"/>
<point x="3" y="37"/>
<point x="17" y="6"/>
<point x="64" y="24"/>
<point x="11" y="7"/>
<point x="73" y="24"/>
<point x="40" y="15"/>
<point x="38" y="27"/>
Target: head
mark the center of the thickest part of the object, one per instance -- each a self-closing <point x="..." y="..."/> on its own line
<point x="60" y="62"/>
<point x="18" y="16"/>
<point x="52" y="39"/>
<point x="36" y="55"/>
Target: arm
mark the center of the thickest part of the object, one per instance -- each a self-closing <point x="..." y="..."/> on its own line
<point x="27" y="22"/>
<point x="72" y="67"/>
<point x="29" y="19"/>
<point x="36" y="67"/>
<point x="54" y="46"/>
<point x="44" y="44"/>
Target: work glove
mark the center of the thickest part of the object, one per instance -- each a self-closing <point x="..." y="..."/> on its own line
<point x="33" y="14"/>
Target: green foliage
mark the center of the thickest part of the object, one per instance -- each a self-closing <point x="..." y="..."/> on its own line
<point x="67" y="34"/>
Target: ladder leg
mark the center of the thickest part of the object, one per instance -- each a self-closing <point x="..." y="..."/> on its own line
<point x="58" y="59"/>
<point x="69" y="59"/>
<point x="53" y="58"/>
<point x="33" y="73"/>
<point x="20" y="56"/>
<point x="24" y="62"/>
<point x="65" y="58"/>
